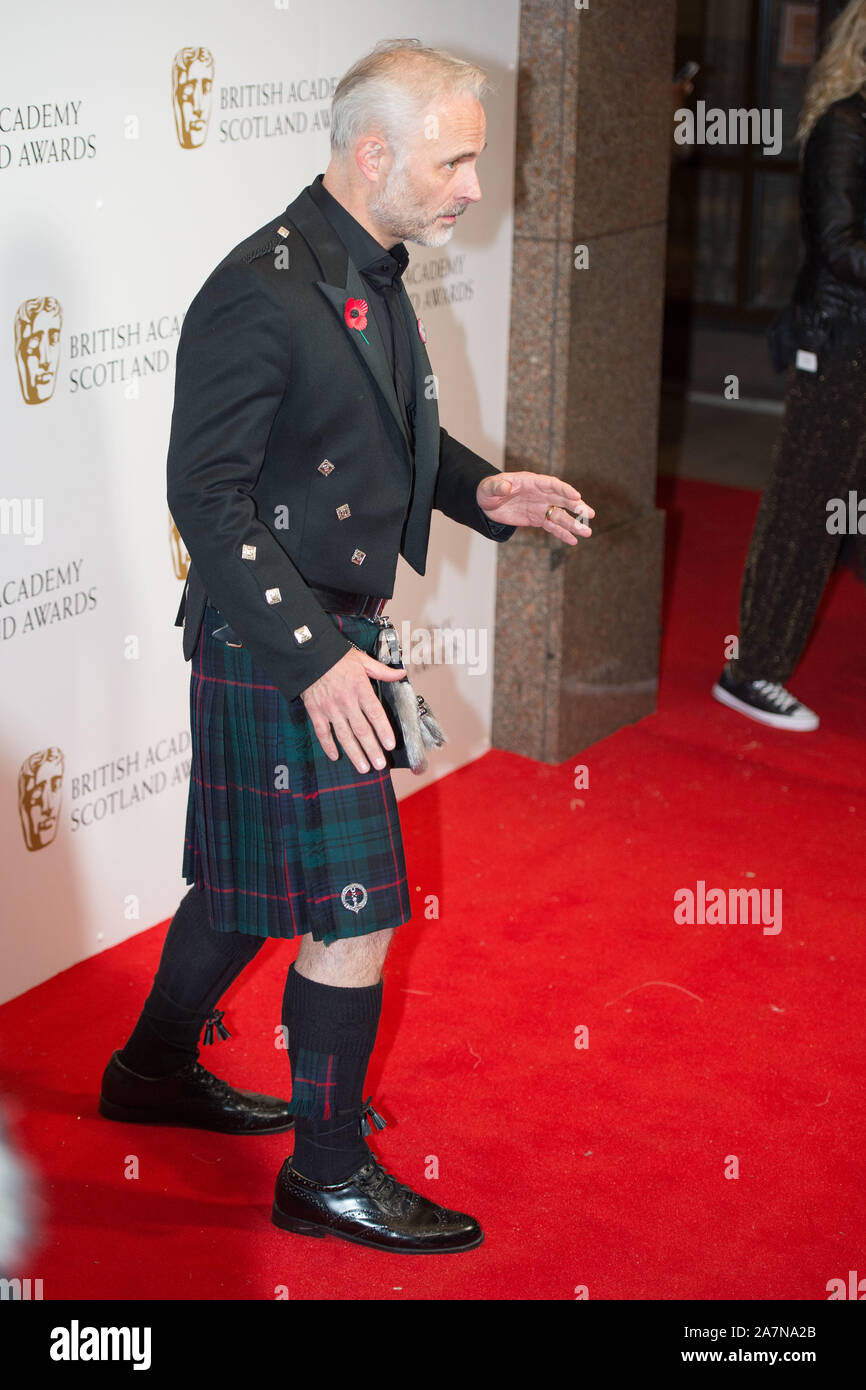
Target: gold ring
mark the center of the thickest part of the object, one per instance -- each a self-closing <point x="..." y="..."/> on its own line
<point x="551" y="508"/>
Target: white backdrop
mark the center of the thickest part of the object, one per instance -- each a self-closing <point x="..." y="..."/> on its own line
<point x="109" y="228"/>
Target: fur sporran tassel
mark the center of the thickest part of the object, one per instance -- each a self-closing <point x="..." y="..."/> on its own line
<point x="420" y="728"/>
<point x="431" y="729"/>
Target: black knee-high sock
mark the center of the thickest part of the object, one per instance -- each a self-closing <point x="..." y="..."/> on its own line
<point x="331" y="1035"/>
<point x="197" y="965"/>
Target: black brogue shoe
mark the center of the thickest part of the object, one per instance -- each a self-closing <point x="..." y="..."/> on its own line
<point x="192" y="1097"/>
<point x="371" y="1208"/>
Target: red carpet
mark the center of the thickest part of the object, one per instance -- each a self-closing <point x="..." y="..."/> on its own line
<point x="601" y="1166"/>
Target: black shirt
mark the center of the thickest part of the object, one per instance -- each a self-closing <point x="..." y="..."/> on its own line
<point x="381" y="270"/>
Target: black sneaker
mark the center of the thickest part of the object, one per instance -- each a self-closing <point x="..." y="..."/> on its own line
<point x="766" y="701"/>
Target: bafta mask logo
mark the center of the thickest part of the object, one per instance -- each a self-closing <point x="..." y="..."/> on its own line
<point x="40" y="783"/>
<point x="179" y="552"/>
<point x="191" y="88"/>
<point x="37" y="347"/>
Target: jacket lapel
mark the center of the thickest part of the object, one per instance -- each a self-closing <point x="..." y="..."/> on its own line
<point x="371" y="352"/>
<point x="342" y="282"/>
<point x="426" y="404"/>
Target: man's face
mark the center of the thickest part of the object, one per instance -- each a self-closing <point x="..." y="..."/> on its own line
<point x="40" y="353"/>
<point x="193" y="94"/>
<point x="421" y="200"/>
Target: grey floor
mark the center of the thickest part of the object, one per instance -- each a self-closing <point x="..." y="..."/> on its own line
<point x="705" y="436"/>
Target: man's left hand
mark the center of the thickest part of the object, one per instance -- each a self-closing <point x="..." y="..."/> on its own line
<point x="524" y="499"/>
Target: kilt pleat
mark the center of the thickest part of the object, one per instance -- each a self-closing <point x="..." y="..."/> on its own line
<point x="282" y="840"/>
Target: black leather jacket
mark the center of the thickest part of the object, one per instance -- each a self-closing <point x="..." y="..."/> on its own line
<point x="827" y="310"/>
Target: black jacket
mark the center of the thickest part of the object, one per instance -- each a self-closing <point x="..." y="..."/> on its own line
<point x="283" y="413"/>
<point x="827" y="310"/>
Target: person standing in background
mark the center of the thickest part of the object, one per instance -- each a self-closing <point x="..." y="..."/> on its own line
<point x="820" y="338"/>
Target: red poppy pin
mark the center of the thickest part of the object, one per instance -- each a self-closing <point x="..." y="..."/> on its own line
<point x="355" y="315"/>
<point x="421" y="332"/>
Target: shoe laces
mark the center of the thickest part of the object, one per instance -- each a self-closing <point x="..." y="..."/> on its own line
<point x="194" y="1071"/>
<point x="777" y="695"/>
<point x="384" y="1187"/>
<point x="381" y="1184"/>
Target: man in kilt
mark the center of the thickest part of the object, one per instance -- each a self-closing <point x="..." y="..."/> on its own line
<point x="306" y="455"/>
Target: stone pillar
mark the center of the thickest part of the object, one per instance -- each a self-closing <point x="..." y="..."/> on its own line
<point x="577" y="628"/>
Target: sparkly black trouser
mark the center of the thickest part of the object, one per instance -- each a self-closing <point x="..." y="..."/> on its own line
<point x="820" y="454"/>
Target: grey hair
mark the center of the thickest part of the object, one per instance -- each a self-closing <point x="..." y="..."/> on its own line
<point x="393" y="86"/>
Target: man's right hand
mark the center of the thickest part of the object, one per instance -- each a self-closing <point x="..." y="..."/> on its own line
<point x="343" y="697"/>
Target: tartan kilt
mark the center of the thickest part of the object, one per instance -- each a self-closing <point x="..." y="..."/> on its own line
<point x="281" y="839"/>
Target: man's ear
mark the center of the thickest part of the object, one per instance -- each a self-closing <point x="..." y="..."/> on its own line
<point x="369" y="154"/>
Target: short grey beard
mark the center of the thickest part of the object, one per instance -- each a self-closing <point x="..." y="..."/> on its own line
<point x="395" y="209"/>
